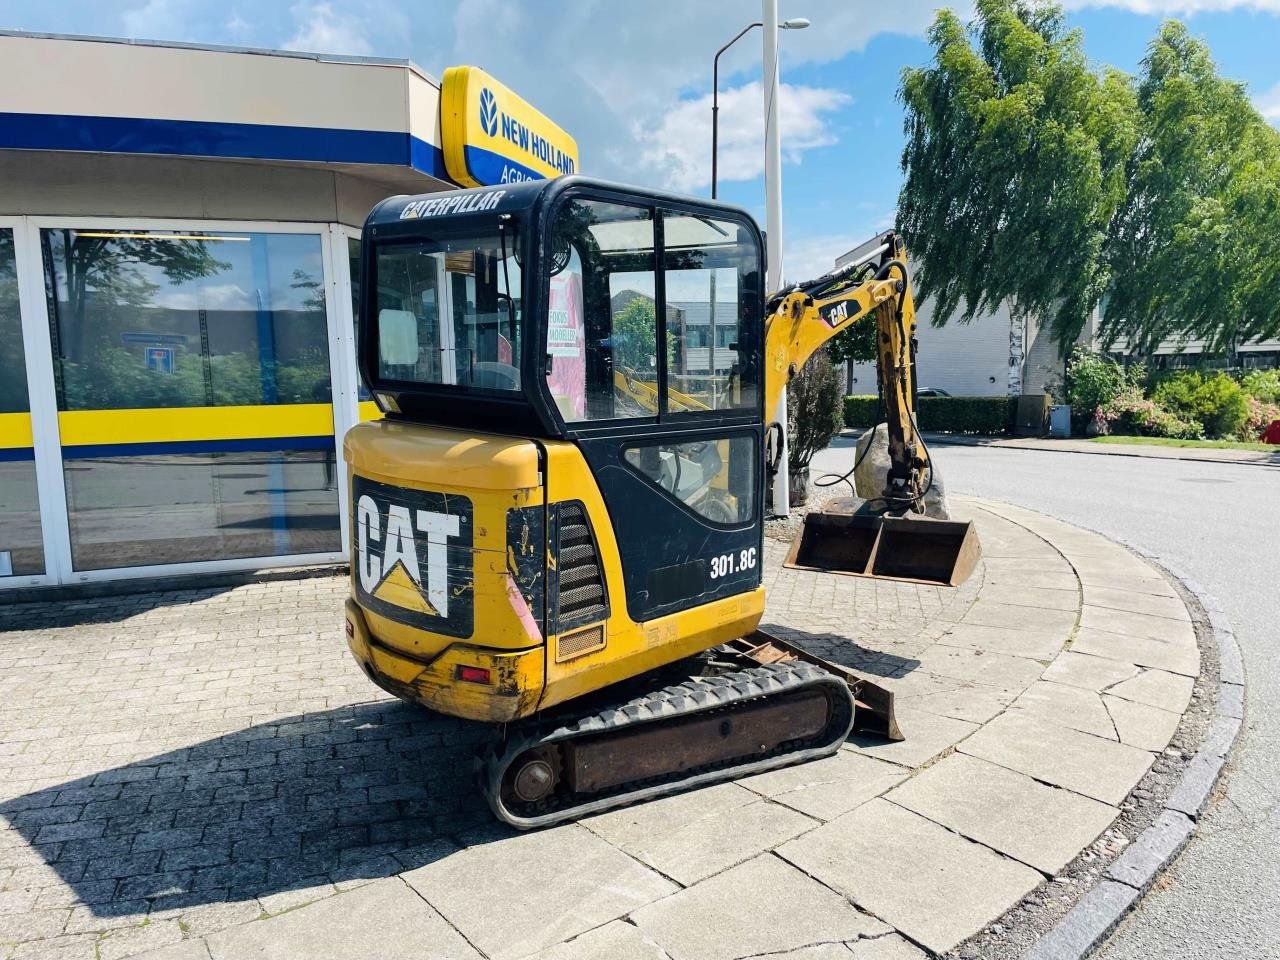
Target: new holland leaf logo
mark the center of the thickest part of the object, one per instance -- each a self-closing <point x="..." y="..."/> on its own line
<point x="488" y="112"/>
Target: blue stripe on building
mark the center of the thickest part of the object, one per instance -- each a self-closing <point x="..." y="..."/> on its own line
<point x="201" y="138"/>
<point x="97" y="451"/>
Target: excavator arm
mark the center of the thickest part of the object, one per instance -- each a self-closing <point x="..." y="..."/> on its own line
<point x="876" y="287"/>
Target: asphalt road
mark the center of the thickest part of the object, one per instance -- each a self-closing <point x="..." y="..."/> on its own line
<point x="1221" y="524"/>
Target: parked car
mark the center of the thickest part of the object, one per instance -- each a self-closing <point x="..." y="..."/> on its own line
<point x="931" y="392"/>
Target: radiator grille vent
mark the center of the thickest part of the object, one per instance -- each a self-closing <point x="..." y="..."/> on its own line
<point x="582" y="596"/>
<point x="576" y="644"/>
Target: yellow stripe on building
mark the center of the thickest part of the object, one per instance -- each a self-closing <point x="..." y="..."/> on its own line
<point x="369" y="411"/>
<point x="15" y="430"/>
<point x="170" y="424"/>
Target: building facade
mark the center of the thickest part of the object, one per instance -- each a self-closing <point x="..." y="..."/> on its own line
<point x="179" y="249"/>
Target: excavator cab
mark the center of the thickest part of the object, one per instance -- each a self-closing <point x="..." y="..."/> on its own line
<point x="567" y="485"/>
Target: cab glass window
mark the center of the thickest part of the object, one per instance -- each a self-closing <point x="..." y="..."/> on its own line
<point x="712" y="279"/>
<point x="602" y="330"/>
<point x="714" y="478"/>
<point x="447" y="312"/>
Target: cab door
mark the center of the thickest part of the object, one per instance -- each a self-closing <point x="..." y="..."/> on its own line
<point x="653" y="363"/>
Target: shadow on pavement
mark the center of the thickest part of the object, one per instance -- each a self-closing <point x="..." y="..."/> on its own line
<point x="360" y="792"/>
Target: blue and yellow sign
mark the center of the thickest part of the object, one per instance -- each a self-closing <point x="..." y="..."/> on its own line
<point x="490" y="135"/>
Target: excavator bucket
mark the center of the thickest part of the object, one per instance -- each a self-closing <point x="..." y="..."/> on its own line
<point x="915" y="549"/>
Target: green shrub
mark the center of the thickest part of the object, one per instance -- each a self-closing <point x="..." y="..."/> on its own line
<point x="814" y="414"/>
<point x="1093" y="380"/>
<point x="861" y="411"/>
<point x="1261" y="416"/>
<point x="983" y="415"/>
<point x="1132" y="414"/>
<point x="1262" y="385"/>
<point x="1216" y="402"/>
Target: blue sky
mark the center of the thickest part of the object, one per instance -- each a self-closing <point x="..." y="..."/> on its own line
<point x="632" y="80"/>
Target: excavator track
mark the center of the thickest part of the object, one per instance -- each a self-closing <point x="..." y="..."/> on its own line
<point x="703" y="730"/>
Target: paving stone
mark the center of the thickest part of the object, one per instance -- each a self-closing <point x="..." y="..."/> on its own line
<point x="552" y="885"/>
<point x="974" y="702"/>
<point x="33" y="925"/>
<point x="1067" y="706"/>
<point x="1028" y="595"/>
<point x="1086" y="924"/>
<point x="1042" y="826"/>
<point x="984" y="667"/>
<point x="827" y="788"/>
<point x="693" y="835"/>
<point x="194" y="949"/>
<point x="1034" y="644"/>
<point x="927" y="736"/>
<point x="81" y="947"/>
<point x="1178" y="632"/>
<point x="1196" y="786"/>
<point x="1142" y="725"/>
<point x="1146" y="856"/>
<point x="817" y="951"/>
<point x="1024" y="618"/>
<point x="1156" y="688"/>
<point x="1231" y="700"/>
<point x="384" y="920"/>
<point x="1170" y="606"/>
<point x="911" y="872"/>
<point x="1058" y="577"/>
<point x="768" y="905"/>
<point x="891" y="947"/>
<point x="131" y="940"/>
<point x="1221" y="736"/>
<point x="616" y="940"/>
<point x="1101" y="769"/>
<point x="1140" y="651"/>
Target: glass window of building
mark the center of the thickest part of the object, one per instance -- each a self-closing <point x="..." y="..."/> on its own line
<point x="21" y="549"/>
<point x="602" y="325"/>
<point x="148" y="320"/>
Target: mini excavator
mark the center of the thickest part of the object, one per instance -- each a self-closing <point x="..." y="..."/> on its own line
<point x="557" y="525"/>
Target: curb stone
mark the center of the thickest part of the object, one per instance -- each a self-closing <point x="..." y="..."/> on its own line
<point x="1090" y="921"/>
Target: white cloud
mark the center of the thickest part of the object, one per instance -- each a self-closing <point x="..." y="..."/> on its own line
<point x="158" y="20"/>
<point x="1177" y="8"/>
<point x="1268" y="104"/>
<point x="320" y="29"/>
<point x="809" y="257"/>
<point x="680" y="148"/>
<point x="213" y="296"/>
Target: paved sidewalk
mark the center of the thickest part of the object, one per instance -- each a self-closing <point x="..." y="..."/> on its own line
<point x="1153" y="451"/>
<point x="206" y="774"/>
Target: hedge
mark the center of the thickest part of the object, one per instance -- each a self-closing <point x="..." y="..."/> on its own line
<point x="985" y="415"/>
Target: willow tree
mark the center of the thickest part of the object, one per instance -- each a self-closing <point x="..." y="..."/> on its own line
<point x="1196" y="247"/>
<point x="1015" y="168"/>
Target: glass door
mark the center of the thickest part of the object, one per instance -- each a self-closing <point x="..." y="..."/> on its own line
<point x="191" y="366"/>
<point x="22" y="555"/>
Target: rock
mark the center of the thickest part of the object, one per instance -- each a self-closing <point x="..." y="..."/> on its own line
<point x="873" y="472"/>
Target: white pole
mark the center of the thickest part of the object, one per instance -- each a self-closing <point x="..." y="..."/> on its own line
<point x="773" y="220"/>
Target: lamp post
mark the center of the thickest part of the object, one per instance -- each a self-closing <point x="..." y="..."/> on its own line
<point x="796" y="23"/>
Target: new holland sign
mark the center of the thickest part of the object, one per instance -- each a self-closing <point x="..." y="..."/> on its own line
<point x="492" y="136"/>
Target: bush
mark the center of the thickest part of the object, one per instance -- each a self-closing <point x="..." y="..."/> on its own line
<point x="1262" y="385"/>
<point x="1261" y="415"/>
<point x="814" y="414"/>
<point x="984" y="415"/>
<point x="1093" y="380"/>
<point x="1130" y="413"/>
<point x="1217" y="403"/>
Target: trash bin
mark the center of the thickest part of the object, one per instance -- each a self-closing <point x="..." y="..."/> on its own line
<point x="1060" y="421"/>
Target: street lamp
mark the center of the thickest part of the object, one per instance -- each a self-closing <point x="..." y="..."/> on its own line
<point x="796" y="23"/>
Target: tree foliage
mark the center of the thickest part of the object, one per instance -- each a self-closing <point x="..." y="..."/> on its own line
<point x="1196" y="246"/>
<point x="1015" y="166"/>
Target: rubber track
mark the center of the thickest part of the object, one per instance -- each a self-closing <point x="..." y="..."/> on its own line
<point x="692" y="697"/>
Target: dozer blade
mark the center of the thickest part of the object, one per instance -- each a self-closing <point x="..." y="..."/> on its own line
<point x="840" y="539"/>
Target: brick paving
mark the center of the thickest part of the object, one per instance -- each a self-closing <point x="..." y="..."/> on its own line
<point x="176" y="766"/>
